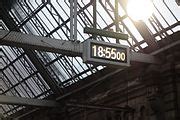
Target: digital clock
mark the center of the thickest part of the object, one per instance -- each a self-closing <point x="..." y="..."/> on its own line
<point x="105" y="53"/>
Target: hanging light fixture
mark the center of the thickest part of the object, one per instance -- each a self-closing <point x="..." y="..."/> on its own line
<point x="139" y="9"/>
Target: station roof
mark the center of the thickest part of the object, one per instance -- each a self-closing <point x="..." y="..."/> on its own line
<point x="24" y="73"/>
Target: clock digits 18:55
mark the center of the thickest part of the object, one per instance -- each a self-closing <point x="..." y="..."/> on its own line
<point x="108" y="52"/>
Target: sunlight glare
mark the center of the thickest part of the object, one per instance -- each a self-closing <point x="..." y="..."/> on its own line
<point x="139" y="9"/>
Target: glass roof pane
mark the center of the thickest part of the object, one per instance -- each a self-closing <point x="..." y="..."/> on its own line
<point x="165" y="11"/>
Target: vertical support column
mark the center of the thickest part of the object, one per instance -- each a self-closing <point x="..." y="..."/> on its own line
<point x="116" y="14"/>
<point x="94" y="17"/>
<point x="73" y="19"/>
<point x="73" y="23"/>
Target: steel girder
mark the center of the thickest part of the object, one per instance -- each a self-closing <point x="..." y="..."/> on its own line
<point x="27" y="101"/>
<point x="40" y="43"/>
<point x="58" y="46"/>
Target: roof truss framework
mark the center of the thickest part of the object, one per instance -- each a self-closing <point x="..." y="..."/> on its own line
<point x="44" y="19"/>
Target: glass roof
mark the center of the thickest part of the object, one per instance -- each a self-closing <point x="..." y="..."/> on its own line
<point x="51" y="18"/>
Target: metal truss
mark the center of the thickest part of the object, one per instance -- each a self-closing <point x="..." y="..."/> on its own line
<point x="69" y="48"/>
<point x="22" y="77"/>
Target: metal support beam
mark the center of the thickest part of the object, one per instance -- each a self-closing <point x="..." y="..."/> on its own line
<point x="101" y="107"/>
<point x="44" y="72"/>
<point x="145" y="58"/>
<point x="94" y="17"/>
<point x="10" y="100"/>
<point x="116" y="14"/>
<point x="105" y="33"/>
<point x="73" y="19"/>
<point x="58" y="46"/>
<point x="145" y="33"/>
<point x="40" y="43"/>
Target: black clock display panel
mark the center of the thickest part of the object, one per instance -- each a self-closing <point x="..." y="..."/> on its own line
<point x="104" y="53"/>
<point x="108" y="52"/>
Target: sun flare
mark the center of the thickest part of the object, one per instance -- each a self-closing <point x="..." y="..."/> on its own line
<point x="139" y="9"/>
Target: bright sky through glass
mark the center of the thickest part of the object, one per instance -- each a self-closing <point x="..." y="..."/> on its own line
<point x="139" y="9"/>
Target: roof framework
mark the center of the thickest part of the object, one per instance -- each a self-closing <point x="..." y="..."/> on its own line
<point x="36" y="74"/>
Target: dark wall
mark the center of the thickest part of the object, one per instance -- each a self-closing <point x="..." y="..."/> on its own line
<point x="153" y="91"/>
